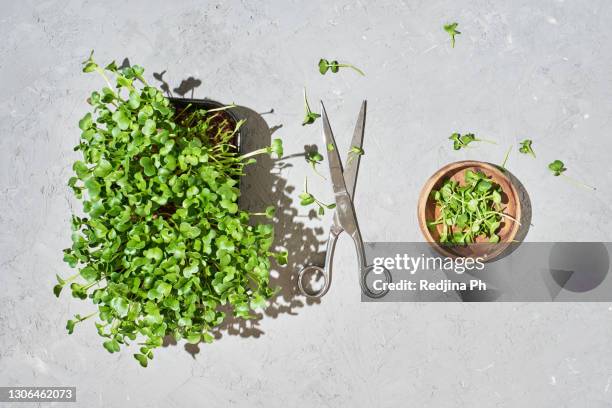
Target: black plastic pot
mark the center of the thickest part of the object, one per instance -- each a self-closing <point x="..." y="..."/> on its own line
<point x="182" y="103"/>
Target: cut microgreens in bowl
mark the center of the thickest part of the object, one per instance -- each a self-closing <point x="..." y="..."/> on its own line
<point x="163" y="244"/>
<point x="307" y="198"/>
<point x="470" y="210"/>
<point x="463" y="141"/>
<point x="334" y="66"/>
<point x="451" y="29"/>
<point x="558" y="168"/>
<point x="310" y="116"/>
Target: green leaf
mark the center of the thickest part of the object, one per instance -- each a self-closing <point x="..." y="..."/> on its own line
<point x="86" y="122"/>
<point x="190" y="270"/>
<point x="93" y="188"/>
<point x="310" y="118"/>
<point x="194" y="338"/>
<point x="281" y="257"/>
<point x="164" y="288"/>
<point x="57" y="289"/>
<point x="120" y="305"/>
<point x="103" y="168"/>
<point x="154" y="254"/>
<point x="258" y="302"/>
<point x="121" y="119"/>
<point x="112" y="346"/>
<point x="148" y="166"/>
<point x="134" y="100"/>
<point x="89" y="274"/>
<point x="89" y="65"/>
<point x="496" y="196"/>
<point x="172" y="303"/>
<point x="557" y="167"/>
<point x="142" y="359"/>
<point x="70" y="326"/>
<point x="149" y="127"/>
<point x="323" y="66"/>
<point x="306" y="199"/>
<point x="112" y="66"/>
<point x="526" y="147"/>
<point x="484" y="186"/>
<point x="277" y="148"/>
<point x="81" y="170"/>
<point x="270" y="211"/>
<point x="138" y="70"/>
<point x="189" y="231"/>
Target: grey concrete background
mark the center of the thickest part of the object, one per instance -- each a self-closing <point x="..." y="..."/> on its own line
<point x="536" y="69"/>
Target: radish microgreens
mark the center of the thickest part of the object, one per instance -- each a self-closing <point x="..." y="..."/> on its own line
<point x="527" y="148"/>
<point x="307" y="198"/>
<point x="451" y="29"/>
<point x="462" y="141"/>
<point x="163" y="244"/>
<point x="334" y="66"/>
<point x="310" y="116"/>
<point x="558" y="168"/>
<point x="469" y="211"/>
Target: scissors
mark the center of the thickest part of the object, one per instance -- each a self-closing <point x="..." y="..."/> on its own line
<point x="345" y="218"/>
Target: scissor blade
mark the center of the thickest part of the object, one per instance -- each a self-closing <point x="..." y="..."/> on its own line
<point x="352" y="164"/>
<point x="333" y="157"/>
<point x="345" y="216"/>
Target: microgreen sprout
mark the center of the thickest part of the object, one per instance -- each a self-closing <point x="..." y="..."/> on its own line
<point x="470" y="210"/>
<point x="307" y="198"/>
<point x="451" y="29"/>
<point x="275" y="147"/>
<point x="527" y="148"/>
<point x="268" y="213"/>
<point x="354" y="152"/>
<point x="558" y="168"/>
<point x="334" y="66"/>
<point x="314" y="158"/>
<point x="310" y="116"/>
<point x="462" y="141"/>
<point x="330" y="147"/>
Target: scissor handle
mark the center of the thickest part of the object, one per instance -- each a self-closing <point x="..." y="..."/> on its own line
<point x="366" y="269"/>
<point x="325" y="270"/>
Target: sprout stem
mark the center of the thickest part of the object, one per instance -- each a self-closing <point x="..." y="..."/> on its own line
<point x="506" y="158"/>
<point x="578" y="183"/>
<point x="360" y="72"/>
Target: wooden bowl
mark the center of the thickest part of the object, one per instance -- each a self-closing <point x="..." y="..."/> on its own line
<point x="428" y="210"/>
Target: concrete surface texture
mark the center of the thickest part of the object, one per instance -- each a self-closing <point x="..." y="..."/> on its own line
<point x="520" y="69"/>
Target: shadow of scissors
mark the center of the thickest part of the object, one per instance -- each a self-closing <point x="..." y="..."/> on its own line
<point x="345" y="218"/>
